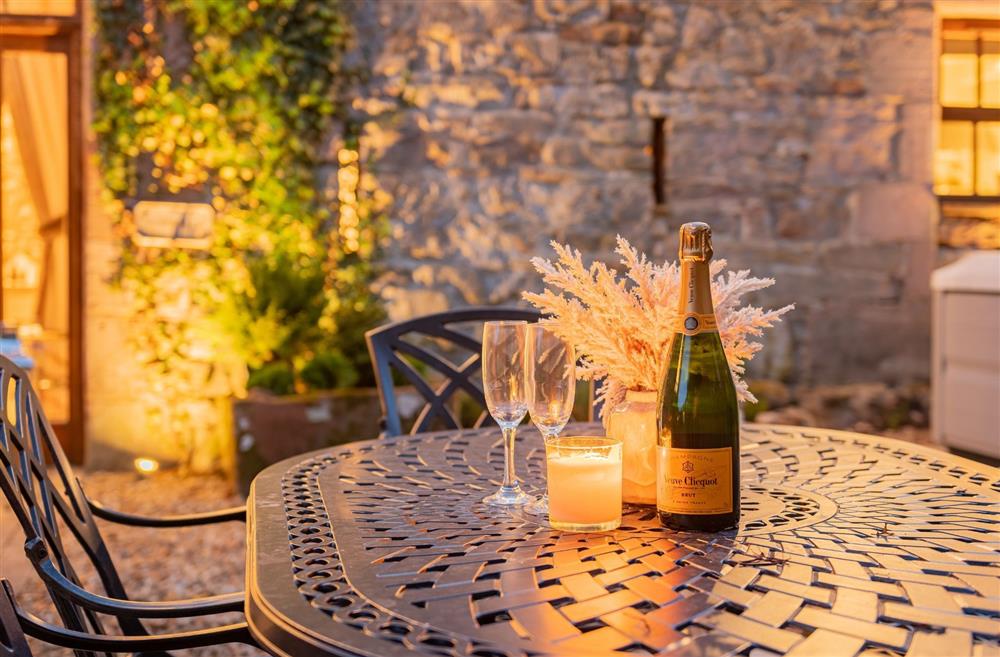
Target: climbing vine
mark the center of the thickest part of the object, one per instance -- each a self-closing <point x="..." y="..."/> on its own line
<point x="237" y="103"/>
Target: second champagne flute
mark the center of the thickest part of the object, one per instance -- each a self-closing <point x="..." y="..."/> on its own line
<point x="506" y="398"/>
<point x="551" y="371"/>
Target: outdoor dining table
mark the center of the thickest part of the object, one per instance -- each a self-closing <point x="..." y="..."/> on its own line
<point x="849" y="544"/>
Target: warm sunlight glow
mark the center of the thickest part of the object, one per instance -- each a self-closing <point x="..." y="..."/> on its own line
<point x="348" y="177"/>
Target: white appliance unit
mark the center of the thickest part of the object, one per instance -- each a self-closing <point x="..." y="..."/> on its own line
<point x="965" y="372"/>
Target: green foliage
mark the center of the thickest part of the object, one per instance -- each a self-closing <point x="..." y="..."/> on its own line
<point x="330" y="370"/>
<point x="274" y="377"/>
<point x="230" y="102"/>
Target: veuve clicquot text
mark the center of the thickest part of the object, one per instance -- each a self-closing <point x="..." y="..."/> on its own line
<point x="698" y="474"/>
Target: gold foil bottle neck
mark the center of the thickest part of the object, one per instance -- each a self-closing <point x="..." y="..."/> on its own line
<point x="696" y="242"/>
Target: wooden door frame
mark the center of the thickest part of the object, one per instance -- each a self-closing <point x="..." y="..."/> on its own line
<point x="63" y="34"/>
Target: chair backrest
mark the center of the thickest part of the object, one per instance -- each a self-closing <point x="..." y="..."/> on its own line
<point x="393" y="349"/>
<point x="12" y="640"/>
<point x="43" y="492"/>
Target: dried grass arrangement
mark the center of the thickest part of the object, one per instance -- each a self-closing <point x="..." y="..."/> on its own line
<point x="621" y="325"/>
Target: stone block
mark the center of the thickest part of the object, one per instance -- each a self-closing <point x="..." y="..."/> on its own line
<point x="471" y="92"/>
<point x="613" y="33"/>
<point x="563" y="151"/>
<point x="888" y="259"/>
<point x="573" y="203"/>
<point x="650" y="61"/>
<point x="723" y="213"/>
<point x="698" y="71"/>
<point x="499" y="196"/>
<point x="579" y="12"/>
<point x="629" y="203"/>
<point x="540" y="96"/>
<point x="661" y="25"/>
<point x="403" y="303"/>
<point x="800" y="59"/>
<point x="892" y="212"/>
<point x="618" y="158"/>
<point x="700" y="26"/>
<point x="901" y="63"/>
<point x="607" y="101"/>
<point x="634" y="131"/>
<point x="855" y="148"/>
<point x="536" y="52"/>
<point x="704" y="157"/>
<point x="777" y="360"/>
<point x="756" y="220"/>
<point x="587" y="63"/>
<point x="655" y="103"/>
<point x="870" y="341"/>
<point x="915" y="142"/>
<point x="814" y="214"/>
<point x="524" y="126"/>
<point x="546" y="174"/>
<point x="742" y="50"/>
<point x="503" y="17"/>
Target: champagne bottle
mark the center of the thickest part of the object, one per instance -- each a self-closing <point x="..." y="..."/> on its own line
<point x="698" y="442"/>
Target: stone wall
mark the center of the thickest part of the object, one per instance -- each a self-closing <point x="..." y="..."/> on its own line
<point x="800" y="130"/>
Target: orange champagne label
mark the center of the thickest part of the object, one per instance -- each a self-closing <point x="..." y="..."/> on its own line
<point x="695" y="312"/>
<point x="695" y="323"/>
<point x="696" y="481"/>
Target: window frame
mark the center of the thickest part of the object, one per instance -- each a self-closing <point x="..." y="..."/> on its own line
<point x="973" y="115"/>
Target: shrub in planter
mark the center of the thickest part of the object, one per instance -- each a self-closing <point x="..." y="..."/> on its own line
<point x="310" y="379"/>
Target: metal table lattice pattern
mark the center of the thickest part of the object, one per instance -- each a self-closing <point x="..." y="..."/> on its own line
<point x="849" y="545"/>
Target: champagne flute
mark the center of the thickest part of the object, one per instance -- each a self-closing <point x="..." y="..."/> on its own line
<point x="551" y="369"/>
<point x="506" y="398"/>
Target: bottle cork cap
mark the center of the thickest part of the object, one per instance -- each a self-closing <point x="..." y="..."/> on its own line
<point x="696" y="241"/>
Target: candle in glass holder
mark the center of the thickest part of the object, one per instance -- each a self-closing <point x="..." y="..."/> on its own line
<point x="584" y="482"/>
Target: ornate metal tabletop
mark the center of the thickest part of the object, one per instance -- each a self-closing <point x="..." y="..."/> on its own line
<point x="849" y="545"/>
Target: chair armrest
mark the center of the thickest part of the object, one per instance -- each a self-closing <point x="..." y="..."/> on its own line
<point x="235" y="513"/>
<point x="60" y="636"/>
<point x="63" y="586"/>
<point x="39" y="629"/>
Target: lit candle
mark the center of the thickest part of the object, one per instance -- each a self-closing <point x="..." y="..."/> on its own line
<point x="584" y="483"/>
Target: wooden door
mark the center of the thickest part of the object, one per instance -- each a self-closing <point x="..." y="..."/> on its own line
<point x="41" y="278"/>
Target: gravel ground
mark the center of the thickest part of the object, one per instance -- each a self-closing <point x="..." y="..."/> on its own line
<point x="154" y="564"/>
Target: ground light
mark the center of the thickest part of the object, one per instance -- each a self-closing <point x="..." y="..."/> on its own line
<point x="145" y="465"/>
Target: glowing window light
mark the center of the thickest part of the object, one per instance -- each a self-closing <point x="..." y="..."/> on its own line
<point x="966" y="155"/>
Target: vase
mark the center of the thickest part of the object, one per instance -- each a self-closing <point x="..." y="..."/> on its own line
<point x="634" y="423"/>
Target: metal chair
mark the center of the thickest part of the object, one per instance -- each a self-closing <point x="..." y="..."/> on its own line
<point x="15" y="623"/>
<point x="387" y="345"/>
<point x="12" y="641"/>
<point x="39" y="483"/>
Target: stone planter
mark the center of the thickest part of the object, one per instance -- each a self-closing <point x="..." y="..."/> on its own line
<point x="269" y="428"/>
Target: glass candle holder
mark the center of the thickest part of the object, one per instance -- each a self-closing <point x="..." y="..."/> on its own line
<point x="585" y="482"/>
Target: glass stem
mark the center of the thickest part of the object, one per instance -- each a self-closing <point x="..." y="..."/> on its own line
<point x="509" y="475"/>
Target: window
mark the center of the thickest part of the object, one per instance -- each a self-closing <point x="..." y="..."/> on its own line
<point x="967" y="158"/>
<point x="967" y="162"/>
